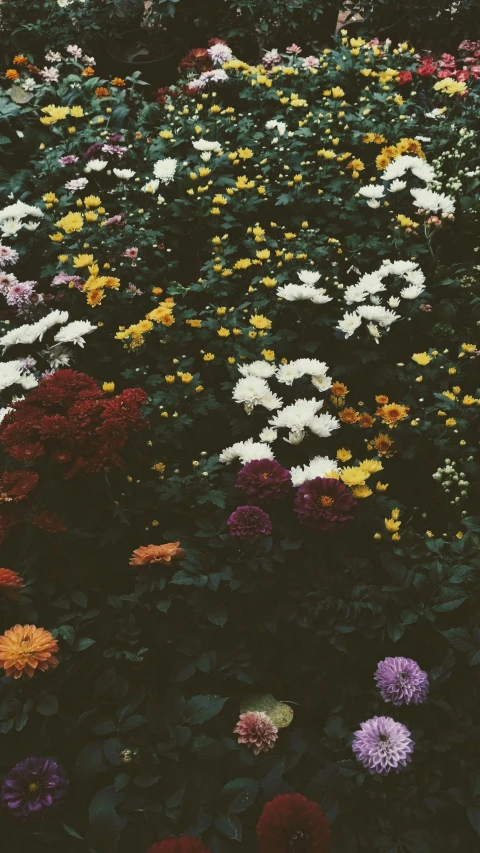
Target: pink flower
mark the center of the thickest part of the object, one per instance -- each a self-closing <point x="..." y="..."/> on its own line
<point x="257" y="731"/>
<point x="442" y="75"/>
<point x="311" y="62"/>
<point x="427" y="68"/>
<point x="462" y="76"/>
<point x="130" y="253"/>
<point x="447" y="60"/>
<point x="294" y="48"/>
<point x="475" y="69"/>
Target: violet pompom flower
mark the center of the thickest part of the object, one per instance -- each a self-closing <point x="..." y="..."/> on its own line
<point x="382" y="745"/>
<point x="249" y="521"/>
<point x="324" y="504"/>
<point x="401" y="681"/>
<point x="34" y="788"/>
<point x="264" y="479"/>
<point x="257" y="731"/>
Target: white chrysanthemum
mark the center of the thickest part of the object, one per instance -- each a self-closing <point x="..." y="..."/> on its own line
<point x="124" y="174"/>
<point x="397" y="267"/>
<point x="279" y="126"/>
<point x="313" y="367"/>
<point x="355" y="293"/>
<point x="206" y="145"/>
<point x="423" y="171"/>
<point x="372" y="191"/>
<point x="28" y="333"/>
<point x="373" y="203"/>
<point x="11" y="373"/>
<point x="10" y="227"/>
<point x="372" y="282"/>
<point x="262" y="369"/>
<point x="268" y="435"/>
<point x="19" y="210"/>
<point x="296" y="416"/>
<point x="415" y="277"/>
<point x="436" y="113"/>
<point x="219" y="53"/>
<point x="246" y="451"/>
<point x="73" y="332"/>
<point x="308" y="276"/>
<point x="397" y="168"/>
<point x="322" y="383"/>
<point x="320" y="466"/>
<point x="397" y="186"/>
<point x="412" y="291"/>
<point x="377" y="314"/>
<point x="151" y="186"/>
<point x="253" y="391"/>
<point x="288" y="373"/>
<point x="96" y="165"/>
<point x="394" y="302"/>
<point x="323" y="425"/>
<point x="165" y="169"/>
<point x="374" y="331"/>
<point x="303" y="292"/>
<point x="31" y="226"/>
<point x="349" y="324"/>
<point x="4" y="412"/>
<point x="433" y="202"/>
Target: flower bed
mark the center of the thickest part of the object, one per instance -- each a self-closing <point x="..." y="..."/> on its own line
<point x="240" y="453"/>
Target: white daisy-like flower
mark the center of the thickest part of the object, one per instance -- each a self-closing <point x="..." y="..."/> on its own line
<point x="349" y="324"/>
<point x="412" y="291"/>
<point x="31" y="226"/>
<point x="394" y="302"/>
<point x="268" y="435"/>
<point x="373" y="203"/>
<point x="372" y="191"/>
<point x="246" y="451"/>
<point x="320" y="466"/>
<point x="10" y="227"/>
<point x="206" y="145"/>
<point x="76" y="184"/>
<point x="397" y="186"/>
<point x="19" y="210"/>
<point x="262" y="369"/>
<point x="50" y="75"/>
<point x="323" y="425"/>
<point x="303" y="293"/>
<point x="297" y="416"/>
<point x="165" y="169"/>
<point x="30" y="332"/>
<point x="219" y="53"/>
<point x="322" y="383"/>
<point x="253" y="391"/>
<point x="96" y="165"/>
<point x="374" y="331"/>
<point x="124" y="174"/>
<point x="28" y="84"/>
<point x="151" y="186"/>
<point x="433" y="202"/>
<point x="308" y="276"/>
<point x="53" y="56"/>
<point x="288" y="373"/>
<point x="377" y="314"/>
<point x="73" y="332"/>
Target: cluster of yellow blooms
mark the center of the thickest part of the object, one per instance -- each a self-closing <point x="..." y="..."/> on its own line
<point x="134" y="335"/>
<point x="54" y="114"/>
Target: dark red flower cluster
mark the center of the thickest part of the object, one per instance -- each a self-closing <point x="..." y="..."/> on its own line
<point x="292" y="824"/>
<point x="48" y="521"/>
<point x="196" y="60"/>
<point x="68" y="419"/>
<point x="161" y="94"/>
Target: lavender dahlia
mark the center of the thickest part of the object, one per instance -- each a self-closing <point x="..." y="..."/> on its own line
<point x="264" y="479"/>
<point x="401" y="681"/>
<point x="249" y="521"/>
<point x="382" y="745"/>
<point x="324" y="504"/>
<point x="34" y="788"/>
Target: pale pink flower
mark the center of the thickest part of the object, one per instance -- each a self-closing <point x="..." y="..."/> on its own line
<point x="130" y="253"/>
<point x="294" y="48"/>
<point x="257" y="731"/>
<point x="311" y="62"/>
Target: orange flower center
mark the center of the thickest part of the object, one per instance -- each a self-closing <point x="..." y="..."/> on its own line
<point x="326" y="500"/>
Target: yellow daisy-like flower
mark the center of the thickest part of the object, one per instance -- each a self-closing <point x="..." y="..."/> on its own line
<point x="108" y="387"/>
<point x="405" y="221"/>
<point x="73" y="221"/>
<point x="353" y="476"/>
<point x="343" y="454"/>
<point x="208" y="356"/>
<point x="391" y="525"/>
<point x="222" y="332"/>
<point x="259" y="321"/>
<point x="422" y="358"/>
<point x="245" y="153"/>
<point x="91" y="201"/>
<point x="361" y="492"/>
<point x="80" y="261"/>
<point x="268" y="354"/>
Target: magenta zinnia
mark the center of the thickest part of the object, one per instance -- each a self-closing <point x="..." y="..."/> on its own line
<point x="264" y="479"/>
<point x="292" y="824"/>
<point x="324" y="504"/>
<point x="256" y="730"/>
<point x="401" y="681"/>
<point x="249" y="521"/>
<point x="381" y="745"/>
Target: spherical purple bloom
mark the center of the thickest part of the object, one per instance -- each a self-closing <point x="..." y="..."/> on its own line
<point x="264" y="479"/>
<point x="249" y="521"/>
<point x="34" y="788"/>
<point x="324" y="504"/>
<point x="401" y="681"/>
<point x="382" y="745"/>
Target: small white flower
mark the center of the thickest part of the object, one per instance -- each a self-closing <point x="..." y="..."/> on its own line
<point x="219" y="53"/>
<point x="349" y="324"/>
<point x="319" y="466"/>
<point x="95" y="165"/>
<point x="206" y="156"/>
<point x="261" y="369"/>
<point x="76" y="184"/>
<point x="372" y="191"/>
<point x="373" y="203"/>
<point x="268" y="435"/>
<point x="74" y="332"/>
<point x="323" y="425"/>
<point x="151" y="186"/>
<point x="394" y="302"/>
<point x="206" y="145"/>
<point x="10" y="227"/>
<point x="29" y="84"/>
<point x="53" y="56"/>
<point x="433" y="202"/>
<point x="165" y="169"/>
<point x="412" y="291"/>
<point x="397" y="186"/>
<point x="124" y="174"/>
<point x="31" y="226"/>
<point x="308" y="277"/>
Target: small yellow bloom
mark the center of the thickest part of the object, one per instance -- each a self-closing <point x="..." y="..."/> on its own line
<point x="108" y="387"/>
<point x="187" y="378"/>
<point x="381" y="487"/>
<point x="208" y="356"/>
<point x="343" y="454"/>
<point x="92" y="201"/>
<point x="222" y="332"/>
<point x="259" y="321"/>
<point x="421" y="358"/>
<point x="391" y="525"/>
<point x="245" y="153"/>
<point x="57" y="237"/>
<point x="80" y="261"/>
<point x="268" y="354"/>
<point x="169" y="379"/>
<point x="361" y="492"/>
<point x="450" y="422"/>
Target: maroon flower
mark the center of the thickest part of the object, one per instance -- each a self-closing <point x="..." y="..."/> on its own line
<point x="404" y="77"/>
<point x="264" y="479"/>
<point x="249" y="521"/>
<point x="292" y="824"/>
<point x="256" y="730"/>
<point x="324" y="504"/>
<point x="48" y="521"/>
<point x="185" y="844"/>
<point x="26" y="452"/>
<point x="16" y="485"/>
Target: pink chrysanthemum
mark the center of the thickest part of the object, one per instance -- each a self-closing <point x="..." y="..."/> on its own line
<point x="257" y="731"/>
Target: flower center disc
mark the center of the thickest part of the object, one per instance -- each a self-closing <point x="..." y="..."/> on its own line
<point x="299" y="842"/>
<point x="326" y="500"/>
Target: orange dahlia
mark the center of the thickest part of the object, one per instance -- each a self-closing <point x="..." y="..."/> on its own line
<point x="157" y="554"/>
<point x="10" y="580"/>
<point x="392" y="413"/>
<point x="25" y="648"/>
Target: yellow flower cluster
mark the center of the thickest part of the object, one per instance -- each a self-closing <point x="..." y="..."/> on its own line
<point x="134" y="334"/>
<point x="54" y="114"/>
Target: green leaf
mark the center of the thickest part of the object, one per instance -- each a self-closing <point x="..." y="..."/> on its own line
<point x="199" y="709"/>
<point x="449" y="605"/>
<point x="47" y="705"/>
<point x="83" y="643"/>
<point x="229" y="825"/>
<point x="104" y="822"/>
<point x="280" y="713"/>
<point x="71" y="831"/>
<point x="474" y="818"/>
<point x="241" y="793"/>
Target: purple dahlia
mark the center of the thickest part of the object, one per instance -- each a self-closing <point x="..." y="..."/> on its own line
<point x="324" y="504"/>
<point x="249" y="521"/>
<point x="401" y="681"/>
<point x="34" y="788"/>
<point x="264" y="479"/>
<point x="382" y="745"/>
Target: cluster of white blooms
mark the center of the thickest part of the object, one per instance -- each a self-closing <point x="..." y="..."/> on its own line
<point x="303" y="415"/>
<point x="306" y="291"/>
<point x="217" y="75"/>
<point x="279" y="126"/>
<point x="454" y="484"/>
<point x="425" y="199"/>
<point x="31" y="332"/>
<point x="367" y="289"/>
<point x="12" y="218"/>
<point x="15" y="373"/>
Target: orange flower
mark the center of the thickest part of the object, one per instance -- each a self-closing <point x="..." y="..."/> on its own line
<point x="381" y="399"/>
<point x="118" y="81"/>
<point x="338" y="389"/>
<point x="25" y="648"/>
<point x="88" y="71"/>
<point x="11" y="74"/>
<point x="392" y="413"/>
<point x="349" y="416"/>
<point x="20" y="59"/>
<point x="10" y="580"/>
<point x="365" y="420"/>
<point x="101" y="92"/>
<point x="147" y="554"/>
<point x="382" y="444"/>
<point x="33" y="69"/>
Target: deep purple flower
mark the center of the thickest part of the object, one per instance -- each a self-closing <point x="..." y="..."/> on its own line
<point x="324" y="504"/>
<point x="264" y="479"/>
<point x="34" y="788"/>
<point x="115" y="137"/>
<point x="97" y="146"/>
<point x="401" y="681"/>
<point x="382" y="745"/>
<point x="249" y="521"/>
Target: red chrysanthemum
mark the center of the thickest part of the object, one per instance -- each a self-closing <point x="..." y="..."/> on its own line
<point x="185" y="844"/>
<point x="16" y="485"/>
<point x="292" y="824"/>
<point x="404" y="77"/>
<point x="324" y="504"/>
<point x="48" y="521"/>
<point x="10" y="581"/>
